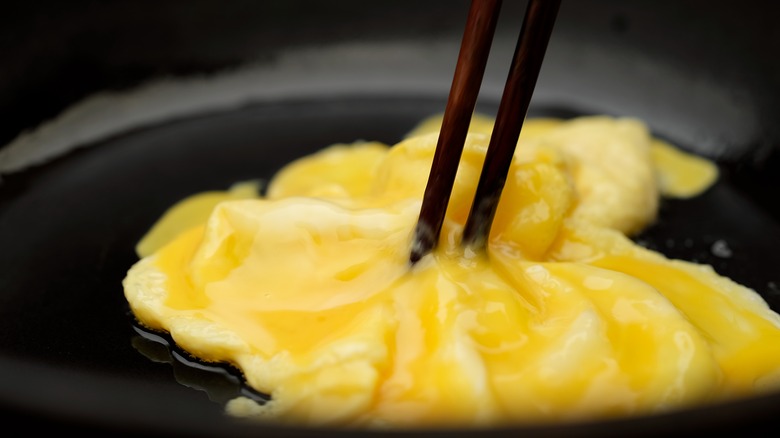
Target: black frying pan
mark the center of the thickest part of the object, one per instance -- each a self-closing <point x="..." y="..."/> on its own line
<point x="195" y="95"/>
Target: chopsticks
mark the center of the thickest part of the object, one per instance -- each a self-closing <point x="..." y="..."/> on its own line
<point x="527" y="61"/>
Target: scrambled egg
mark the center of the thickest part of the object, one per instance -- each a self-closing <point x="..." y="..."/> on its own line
<point x="308" y="290"/>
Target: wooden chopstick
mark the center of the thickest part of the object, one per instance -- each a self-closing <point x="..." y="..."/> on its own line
<point x="474" y="50"/>
<point x="529" y="53"/>
<point x="526" y="63"/>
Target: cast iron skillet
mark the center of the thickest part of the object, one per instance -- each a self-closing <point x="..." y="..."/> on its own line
<point x="203" y="94"/>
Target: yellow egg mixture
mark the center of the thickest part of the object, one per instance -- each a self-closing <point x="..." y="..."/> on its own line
<point x="308" y="289"/>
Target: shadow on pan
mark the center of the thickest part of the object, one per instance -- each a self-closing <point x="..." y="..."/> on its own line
<point x="112" y="111"/>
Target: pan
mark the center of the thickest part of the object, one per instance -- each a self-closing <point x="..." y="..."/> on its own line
<point x="112" y="111"/>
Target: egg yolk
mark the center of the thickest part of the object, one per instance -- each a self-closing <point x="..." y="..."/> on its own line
<point x="308" y="289"/>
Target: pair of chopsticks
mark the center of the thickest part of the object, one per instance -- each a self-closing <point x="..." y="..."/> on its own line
<point x="527" y="61"/>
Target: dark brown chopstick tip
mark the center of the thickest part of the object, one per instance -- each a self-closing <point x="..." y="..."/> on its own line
<point x="476" y="233"/>
<point x="423" y="243"/>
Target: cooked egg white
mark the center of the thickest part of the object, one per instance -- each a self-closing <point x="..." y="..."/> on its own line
<point x="309" y="292"/>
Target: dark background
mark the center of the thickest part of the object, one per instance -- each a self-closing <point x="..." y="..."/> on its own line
<point x="713" y="58"/>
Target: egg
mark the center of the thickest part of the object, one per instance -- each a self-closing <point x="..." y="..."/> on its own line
<point x="308" y="289"/>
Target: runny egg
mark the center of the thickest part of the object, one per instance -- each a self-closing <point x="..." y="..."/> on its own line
<point x="307" y="289"/>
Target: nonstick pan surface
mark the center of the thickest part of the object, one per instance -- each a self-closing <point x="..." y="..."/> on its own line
<point x="71" y="356"/>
